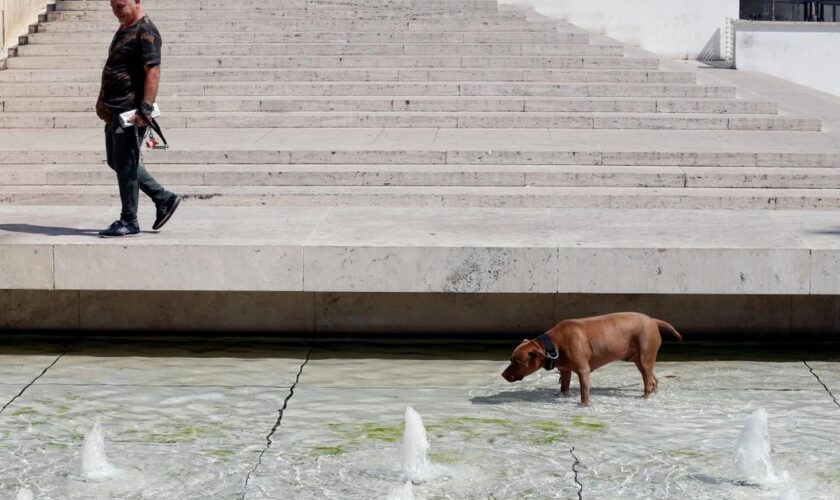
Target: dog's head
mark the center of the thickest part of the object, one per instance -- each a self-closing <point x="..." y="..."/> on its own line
<point x="527" y="358"/>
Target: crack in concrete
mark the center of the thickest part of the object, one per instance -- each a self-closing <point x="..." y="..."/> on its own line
<point x="30" y="383"/>
<point x="833" y="397"/>
<point x="575" y="470"/>
<point x="268" y="441"/>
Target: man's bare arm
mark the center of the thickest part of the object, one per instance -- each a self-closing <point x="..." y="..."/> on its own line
<point x="150" y="90"/>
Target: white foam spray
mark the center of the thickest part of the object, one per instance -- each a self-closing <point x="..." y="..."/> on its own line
<point x="415" y="444"/>
<point x="95" y="464"/>
<point x="24" y="494"/>
<point x="406" y="492"/>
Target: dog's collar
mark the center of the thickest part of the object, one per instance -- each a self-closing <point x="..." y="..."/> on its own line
<point x="551" y="353"/>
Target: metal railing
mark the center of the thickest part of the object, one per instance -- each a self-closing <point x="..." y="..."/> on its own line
<point x="791" y="10"/>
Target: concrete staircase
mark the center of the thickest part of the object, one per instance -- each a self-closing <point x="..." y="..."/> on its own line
<point x="443" y="165"/>
<point x="445" y="81"/>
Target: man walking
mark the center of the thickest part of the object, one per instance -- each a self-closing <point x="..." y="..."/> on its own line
<point x="130" y="81"/>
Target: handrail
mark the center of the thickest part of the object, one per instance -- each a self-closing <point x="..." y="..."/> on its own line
<point x="15" y="18"/>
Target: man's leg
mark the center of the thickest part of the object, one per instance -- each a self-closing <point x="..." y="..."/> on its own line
<point x="125" y="160"/>
<point x="165" y="202"/>
<point x="118" y="154"/>
<point x="148" y="184"/>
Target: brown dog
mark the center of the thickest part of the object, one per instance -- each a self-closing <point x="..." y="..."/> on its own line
<point x="584" y="345"/>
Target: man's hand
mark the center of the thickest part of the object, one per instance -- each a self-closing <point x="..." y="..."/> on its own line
<point x="152" y="141"/>
<point x="139" y="121"/>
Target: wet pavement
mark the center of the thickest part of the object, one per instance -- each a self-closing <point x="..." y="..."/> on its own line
<point x="254" y="419"/>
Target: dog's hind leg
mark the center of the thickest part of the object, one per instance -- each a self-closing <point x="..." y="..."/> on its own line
<point x="583" y="377"/>
<point x="645" y="367"/>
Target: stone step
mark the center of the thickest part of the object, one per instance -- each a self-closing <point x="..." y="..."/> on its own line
<point x="319" y="25"/>
<point x="322" y="37"/>
<point x="267" y="16"/>
<point x="98" y="53"/>
<point x="437" y="175"/>
<point x="410" y="103"/>
<point x="411" y="119"/>
<point x="370" y="74"/>
<point x="735" y="266"/>
<point x="447" y="196"/>
<point x="226" y="153"/>
<point x="390" y="89"/>
<point x="455" y="5"/>
<point x="428" y="62"/>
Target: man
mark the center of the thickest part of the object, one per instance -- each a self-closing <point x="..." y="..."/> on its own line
<point x="130" y="81"/>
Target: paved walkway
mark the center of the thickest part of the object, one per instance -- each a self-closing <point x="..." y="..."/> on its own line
<point x="237" y="420"/>
<point x="466" y="250"/>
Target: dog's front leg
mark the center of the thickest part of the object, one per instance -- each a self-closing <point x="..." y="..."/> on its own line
<point x="565" y="381"/>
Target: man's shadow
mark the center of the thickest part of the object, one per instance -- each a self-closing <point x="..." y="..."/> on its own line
<point x="48" y="230"/>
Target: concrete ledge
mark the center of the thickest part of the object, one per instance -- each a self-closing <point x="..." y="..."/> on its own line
<point x="404" y="314"/>
<point x="427" y="250"/>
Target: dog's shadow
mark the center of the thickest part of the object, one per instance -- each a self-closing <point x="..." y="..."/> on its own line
<point x="552" y="394"/>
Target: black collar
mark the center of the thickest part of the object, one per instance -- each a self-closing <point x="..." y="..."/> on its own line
<point x="551" y="352"/>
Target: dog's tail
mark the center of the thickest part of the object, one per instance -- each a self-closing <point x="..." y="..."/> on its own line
<point x="667" y="326"/>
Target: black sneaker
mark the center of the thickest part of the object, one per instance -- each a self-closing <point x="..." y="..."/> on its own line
<point x="120" y="228"/>
<point x="165" y="211"/>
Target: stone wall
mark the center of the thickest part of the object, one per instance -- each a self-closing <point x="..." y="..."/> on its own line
<point x="15" y="18"/>
<point x="404" y="313"/>
<point x="805" y="53"/>
<point x="678" y="29"/>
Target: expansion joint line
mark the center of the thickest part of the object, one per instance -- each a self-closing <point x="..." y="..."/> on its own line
<point x="575" y="470"/>
<point x="268" y="441"/>
<point x="30" y="383"/>
<point x="822" y="383"/>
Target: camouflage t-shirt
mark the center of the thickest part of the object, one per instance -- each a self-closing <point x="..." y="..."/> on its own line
<point x="132" y="50"/>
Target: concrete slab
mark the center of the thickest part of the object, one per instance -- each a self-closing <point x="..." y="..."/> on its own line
<point x="20" y="365"/>
<point x="340" y="433"/>
<point x="829" y="374"/>
<point x="52" y="469"/>
<point x="370" y="249"/>
<point x="361" y="445"/>
<point x="244" y="367"/>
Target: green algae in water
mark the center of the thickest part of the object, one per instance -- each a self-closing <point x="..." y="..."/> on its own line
<point x="686" y="453"/>
<point x="547" y="426"/>
<point x="221" y="454"/>
<point x="551" y="432"/>
<point x="178" y="435"/>
<point x="320" y="451"/>
<point x="441" y="457"/>
<point x="472" y="427"/>
<point x="368" y="431"/>
<point x="589" y="424"/>
<point x="62" y="410"/>
<point x="499" y="422"/>
<point x="28" y="410"/>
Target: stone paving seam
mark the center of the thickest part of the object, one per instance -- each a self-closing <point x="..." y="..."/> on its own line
<point x="276" y="424"/>
<point x="30" y="383"/>
<point x="575" y="466"/>
<point x="822" y="383"/>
